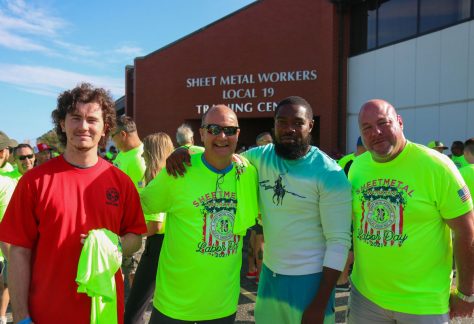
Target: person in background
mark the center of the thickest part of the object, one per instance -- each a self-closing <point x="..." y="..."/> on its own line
<point x="343" y="284"/>
<point x="256" y="240"/>
<point x="111" y="153"/>
<point x="407" y="199"/>
<point x="102" y="152"/>
<point x="6" y="144"/>
<point x="457" y="156"/>
<point x="264" y="139"/>
<point x="467" y="171"/>
<point x="7" y="186"/>
<point x="25" y="160"/>
<point x="346" y="161"/>
<point x="437" y="146"/>
<point x="156" y="149"/>
<point x="44" y="153"/>
<point x="185" y="138"/>
<point x="11" y="159"/>
<point x="130" y="161"/>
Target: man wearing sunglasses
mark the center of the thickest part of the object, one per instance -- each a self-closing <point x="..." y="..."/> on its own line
<point x="24" y="159"/>
<point x="208" y="212"/>
<point x="7" y="186"/>
<point x="305" y="203"/>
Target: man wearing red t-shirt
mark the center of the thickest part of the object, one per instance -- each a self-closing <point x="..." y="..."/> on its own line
<point x="57" y="203"/>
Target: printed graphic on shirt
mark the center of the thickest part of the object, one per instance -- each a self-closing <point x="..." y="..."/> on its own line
<point x="279" y="190"/>
<point x="464" y="194"/>
<point x="112" y="197"/>
<point x="218" y="213"/>
<point x="383" y="202"/>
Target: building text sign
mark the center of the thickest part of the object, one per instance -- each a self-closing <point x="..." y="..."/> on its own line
<point x="248" y="92"/>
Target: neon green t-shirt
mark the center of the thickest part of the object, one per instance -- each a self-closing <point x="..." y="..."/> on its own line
<point x="460" y="161"/>
<point x="345" y="159"/>
<point x="198" y="275"/>
<point x="193" y="149"/>
<point x="402" y="246"/>
<point x="133" y="164"/>
<point x="467" y="173"/>
<point x="7" y="186"/>
<point x="15" y="175"/>
<point x="158" y="217"/>
<point x="100" y="259"/>
<point x="6" y="168"/>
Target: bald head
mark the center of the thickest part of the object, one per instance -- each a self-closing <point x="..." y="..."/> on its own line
<point x="381" y="130"/>
<point x="221" y="110"/>
<point x="377" y="105"/>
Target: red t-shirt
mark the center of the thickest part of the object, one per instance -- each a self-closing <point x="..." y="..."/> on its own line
<point x="52" y="205"/>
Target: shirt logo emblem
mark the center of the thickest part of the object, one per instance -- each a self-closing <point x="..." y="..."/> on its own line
<point x="112" y="197"/>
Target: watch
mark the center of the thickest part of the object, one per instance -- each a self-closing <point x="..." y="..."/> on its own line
<point x="460" y="295"/>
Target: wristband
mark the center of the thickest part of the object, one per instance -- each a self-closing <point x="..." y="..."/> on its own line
<point x="468" y="299"/>
<point x="26" y="320"/>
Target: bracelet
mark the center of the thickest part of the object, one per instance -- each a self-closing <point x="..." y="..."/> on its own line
<point x="468" y="299"/>
<point x="26" y="320"/>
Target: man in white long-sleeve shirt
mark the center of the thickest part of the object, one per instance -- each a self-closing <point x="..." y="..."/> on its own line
<point x="305" y="202"/>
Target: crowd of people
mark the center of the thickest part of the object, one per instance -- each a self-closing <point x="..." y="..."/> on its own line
<point x="385" y="223"/>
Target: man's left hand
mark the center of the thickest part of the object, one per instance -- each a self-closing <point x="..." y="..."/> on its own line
<point x="460" y="308"/>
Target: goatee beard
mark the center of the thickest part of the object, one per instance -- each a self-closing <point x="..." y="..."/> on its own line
<point x="293" y="151"/>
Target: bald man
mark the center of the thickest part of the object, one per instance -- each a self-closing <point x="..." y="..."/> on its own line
<point x="406" y="198"/>
<point x="208" y="212"/>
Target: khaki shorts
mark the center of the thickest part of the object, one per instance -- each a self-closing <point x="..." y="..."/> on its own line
<point x="362" y="311"/>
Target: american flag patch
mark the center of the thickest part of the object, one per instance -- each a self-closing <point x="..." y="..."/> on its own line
<point x="464" y="194"/>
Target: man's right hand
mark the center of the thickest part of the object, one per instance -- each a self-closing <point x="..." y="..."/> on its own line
<point x="176" y="161"/>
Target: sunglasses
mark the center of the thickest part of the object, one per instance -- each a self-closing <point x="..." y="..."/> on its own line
<point x="24" y="157"/>
<point x="115" y="133"/>
<point x="215" y="130"/>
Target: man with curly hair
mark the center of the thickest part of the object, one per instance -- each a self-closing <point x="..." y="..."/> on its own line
<point x="55" y="206"/>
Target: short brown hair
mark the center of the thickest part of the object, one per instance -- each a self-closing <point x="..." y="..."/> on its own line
<point x="84" y="93"/>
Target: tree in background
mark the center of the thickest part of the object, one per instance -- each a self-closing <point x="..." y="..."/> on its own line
<point x="50" y="138"/>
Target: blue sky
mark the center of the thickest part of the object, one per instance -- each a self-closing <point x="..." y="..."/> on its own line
<point x="48" y="46"/>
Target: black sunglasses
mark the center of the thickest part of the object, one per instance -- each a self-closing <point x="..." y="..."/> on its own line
<point x="24" y="157"/>
<point x="115" y="133"/>
<point x="215" y="130"/>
